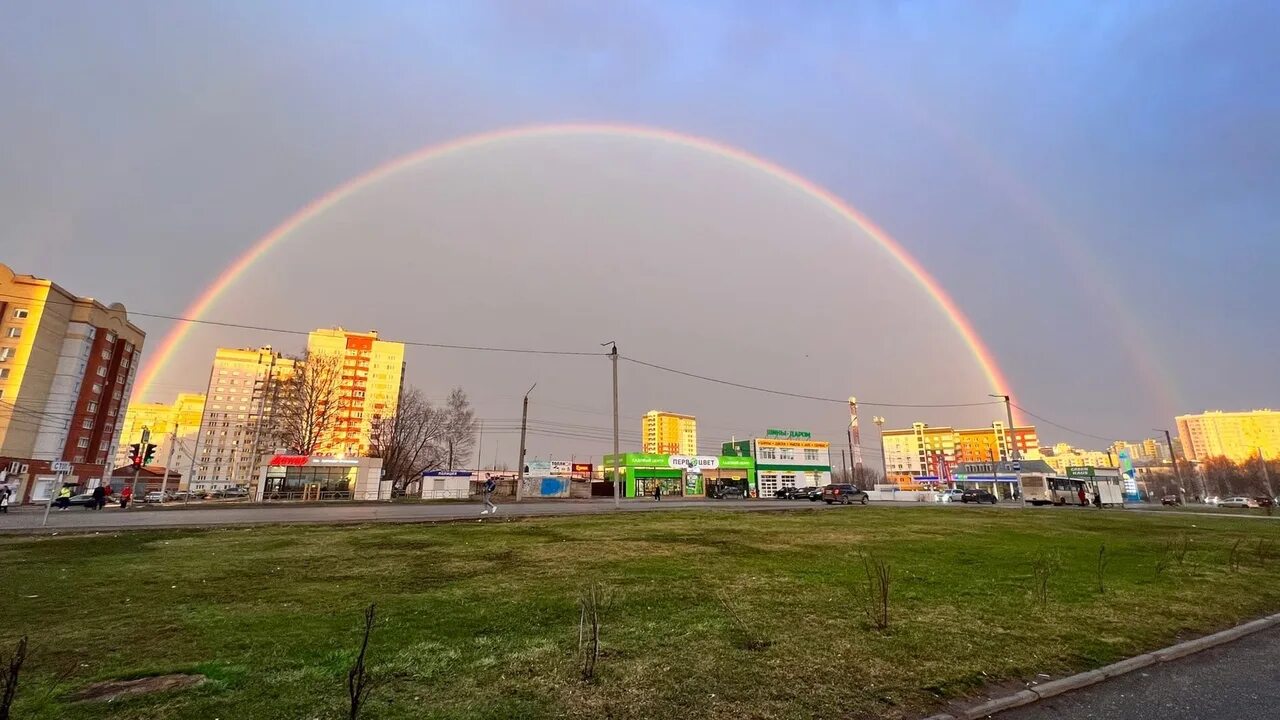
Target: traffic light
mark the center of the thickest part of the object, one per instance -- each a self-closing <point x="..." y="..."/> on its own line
<point x="150" y="455"/>
<point x="135" y="458"/>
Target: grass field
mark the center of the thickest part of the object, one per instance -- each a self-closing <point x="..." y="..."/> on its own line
<point x="481" y="620"/>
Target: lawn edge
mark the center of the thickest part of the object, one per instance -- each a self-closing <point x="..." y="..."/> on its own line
<point x="1092" y="677"/>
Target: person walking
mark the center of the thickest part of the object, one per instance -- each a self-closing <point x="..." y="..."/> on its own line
<point x="657" y="492"/>
<point x="4" y="499"/>
<point x="99" y="498"/>
<point x="1083" y="501"/>
<point x="490" y="486"/>
<point x="126" y="495"/>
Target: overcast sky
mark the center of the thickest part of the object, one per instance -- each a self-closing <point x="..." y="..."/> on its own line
<point x="1095" y="186"/>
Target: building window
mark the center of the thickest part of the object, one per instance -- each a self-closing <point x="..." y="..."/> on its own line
<point x="5" y="353"/>
<point x="106" y="355"/>
<point x="102" y="371"/>
<point x="20" y="314"/>
<point x="97" y="387"/>
<point x="111" y="338"/>
<point x="82" y="442"/>
<point x="4" y="374"/>
<point x="87" y="424"/>
<point x="810" y="455"/>
<point x="14" y="332"/>
<point x="768" y="453"/>
<point x="78" y="458"/>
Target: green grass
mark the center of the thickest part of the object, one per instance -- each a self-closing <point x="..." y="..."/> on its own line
<point x="480" y="620"/>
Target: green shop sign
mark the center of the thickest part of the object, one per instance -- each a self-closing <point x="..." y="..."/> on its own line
<point x="1080" y="471"/>
<point x="789" y="434"/>
<point x="735" y="462"/>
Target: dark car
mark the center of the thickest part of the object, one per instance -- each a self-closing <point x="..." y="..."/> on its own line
<point x="1170" y="500"/>
<point x="84" y="500"/>
<point x="843" y="494"/>
<point x="785" y="493"/>
<point x="727" y="492"/>
<point x="978" y="496"/>
<point x="813" y="494"/>
<point x="1265" y="501"/>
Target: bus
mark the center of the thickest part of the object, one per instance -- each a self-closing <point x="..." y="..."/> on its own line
<point x="1053" y="490"/>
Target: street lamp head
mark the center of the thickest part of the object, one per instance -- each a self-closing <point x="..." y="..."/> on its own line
<point x="853" y="400"/>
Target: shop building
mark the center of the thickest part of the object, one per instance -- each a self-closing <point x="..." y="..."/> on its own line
<point x="683" y="475"/>
<point x="785" y="458"/>
<point x="316" y="477"/>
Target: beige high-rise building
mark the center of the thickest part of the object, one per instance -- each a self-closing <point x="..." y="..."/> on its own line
<point x="183" y="416"/>
<point x="669" y="433"/>
<point x="1236" y="436"/>
<point x="67" y="364"/>
<point x="244" y="386"/>
<point x="372" y="374"/>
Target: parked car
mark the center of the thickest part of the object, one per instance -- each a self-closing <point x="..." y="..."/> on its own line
<point x="978" y="496"/>
<point x="727" y="492"/>
<point x="843" y="494"/>
<point x="952" y="495"/>
<point x="813" y="494"/>
<point x="1238" y="502"/>
<point x="84" y="500"/>
<point x="1170" y="500"/>
<point x="239" y="491"/>
<point x="157" y="496"/>
<point x="1265" y="501"/>
<point x="785" y="493"/>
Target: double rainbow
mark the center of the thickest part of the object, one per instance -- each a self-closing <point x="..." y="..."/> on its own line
<point x="201" y="305"/>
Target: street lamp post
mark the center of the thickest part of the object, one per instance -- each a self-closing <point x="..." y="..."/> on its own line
<point x="884" y="462"/>
<point x="1014" y="454"/>
<point x="1177" y="471"/>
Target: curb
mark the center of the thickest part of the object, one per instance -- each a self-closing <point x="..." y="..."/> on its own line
<point x="1092" y="677"/>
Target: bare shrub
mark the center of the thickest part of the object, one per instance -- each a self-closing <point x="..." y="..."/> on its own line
<point x="592" y="604"/>
<point x="750" y="639"/>
<point x="11" y="677"/>
<point x="879" y="577"/>
<point x="359" y="680"/>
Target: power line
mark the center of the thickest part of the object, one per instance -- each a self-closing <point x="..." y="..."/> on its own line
<point x="1062" y="427"/>
<point x="842" y="401"/>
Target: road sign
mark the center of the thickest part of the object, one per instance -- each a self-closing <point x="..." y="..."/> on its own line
<point x="1017" y="466"/>
<point x="62" y="467"/>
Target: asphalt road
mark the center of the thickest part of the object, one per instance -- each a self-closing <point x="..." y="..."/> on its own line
<point x="1236" y="681"/>
<point x="112" y="518"/>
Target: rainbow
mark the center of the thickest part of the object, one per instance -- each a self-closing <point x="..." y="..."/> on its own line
<point x="317" y="207"/>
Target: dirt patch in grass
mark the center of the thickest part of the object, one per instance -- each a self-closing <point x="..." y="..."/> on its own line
<point x="112" y="690"/>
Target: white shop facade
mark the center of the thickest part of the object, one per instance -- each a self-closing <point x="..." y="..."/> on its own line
<point x="319" y="477"/>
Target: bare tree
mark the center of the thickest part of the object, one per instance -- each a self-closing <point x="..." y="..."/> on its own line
<point x="460" y="428"/>
<point x="309" y="405"/>
<point x="409" y="440"/>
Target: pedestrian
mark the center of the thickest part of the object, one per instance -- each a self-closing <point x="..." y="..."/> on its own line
<point x="126" y="495"/>
<point x="99" y="498"/>
<point x="4" y="499"/>
<point x="64" y="497"/>
<point x="1083" y="501"/>
<point x="657" y="492"/>
<point x="489" y="487"/>
<point x="1097" y="499"/>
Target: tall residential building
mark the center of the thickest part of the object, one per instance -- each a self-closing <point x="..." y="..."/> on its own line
<point x="921" y="450"/>
<point x="244" y="386"/>
<point x="1235" y="435"/>
<point x="372" y="374"/>
<point x="182" y="419"/>
<point x="67" y="364"/>
<point x="669" y="433"/>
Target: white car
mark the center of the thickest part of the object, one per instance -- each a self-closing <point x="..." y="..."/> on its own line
<point x="156" y="496"/>
<point x="1238" y="502"/>
<point x="952" y="495"/>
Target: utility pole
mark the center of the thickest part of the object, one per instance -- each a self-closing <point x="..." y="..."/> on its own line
<point x="855" y="441"/>
<point x="480" y="447"/>
<point x="1177" y="471"/>
<point x="613" y="357"/>
<point x="1266" y="476"/>
<point x="884" y="462"/>
<point x="137" y="469"/>
<point x="173" y="442"/>
<point x="524" y="421"/>
<point x="1012" y="442"/>
<point x="844" y="464"/>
